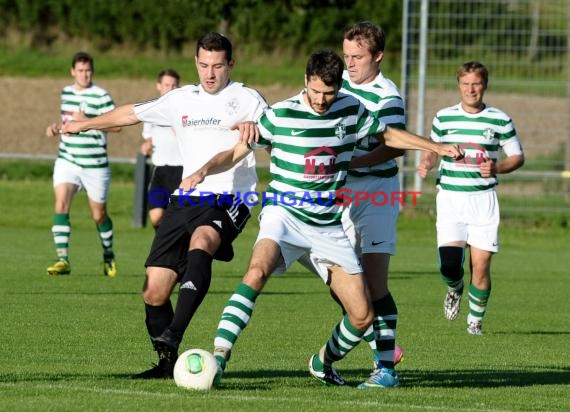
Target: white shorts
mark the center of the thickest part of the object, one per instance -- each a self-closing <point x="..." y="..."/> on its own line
<point x="322" y="246"/>
<point x="468" y="217"/>
<point x="371" y="224"/>
<point x="94" y="181"/>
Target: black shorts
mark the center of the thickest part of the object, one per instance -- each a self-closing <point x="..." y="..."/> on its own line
<point x="167" y="178"/>
<point x="170" y="245"/>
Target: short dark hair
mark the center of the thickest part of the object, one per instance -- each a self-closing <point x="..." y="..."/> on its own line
<point x="168" y="72"/>
<point x="474" y="67"/>
<point x="215" y="42"/>
<point x="366" y="32"/>
<point x="327" y="65"/>
<point x="82" y="57"/>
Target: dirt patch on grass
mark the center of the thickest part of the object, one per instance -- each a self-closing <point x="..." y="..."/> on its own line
<point x="29" y="105"/>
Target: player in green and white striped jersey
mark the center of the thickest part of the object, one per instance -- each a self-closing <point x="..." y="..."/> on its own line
<point x="312" y="138"/>
<point x="371" y="228"/>
<point x="467" y="205"/>
<point x="82" y="164"/>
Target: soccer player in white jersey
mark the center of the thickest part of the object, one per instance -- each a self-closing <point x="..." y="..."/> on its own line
<point x="160" y="143"/>
<point x="199" y="226"/>
<point x="82" y="164"/>
<point x="312" y="137"/>
<point x="467" y="205"/>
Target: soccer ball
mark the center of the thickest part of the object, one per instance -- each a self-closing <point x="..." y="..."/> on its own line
<point x="196" y="369"/>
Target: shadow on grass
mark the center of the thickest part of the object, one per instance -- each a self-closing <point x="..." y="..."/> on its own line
<point x="465" y="378"/>
<point x="534" y="332"/>
<point x="269" y="379"/>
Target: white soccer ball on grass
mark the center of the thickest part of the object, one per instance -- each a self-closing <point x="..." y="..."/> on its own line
<point x="196" y="369"/>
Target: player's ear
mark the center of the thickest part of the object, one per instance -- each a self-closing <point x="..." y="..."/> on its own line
<point x="378" y="57"/>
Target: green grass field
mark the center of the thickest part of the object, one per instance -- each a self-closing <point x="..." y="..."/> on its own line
<point x="68" y="343"/>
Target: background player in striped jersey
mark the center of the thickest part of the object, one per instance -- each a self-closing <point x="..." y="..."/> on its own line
<point x="312" y="136"/>
<point x="372" y="229"/>
<point x="82" y="164"/>
<point x="467" y="205"/>
<point x="160" y="143"/>
<point x="198" y="227"/>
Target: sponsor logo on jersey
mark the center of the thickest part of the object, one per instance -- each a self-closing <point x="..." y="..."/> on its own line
<point x="475" y="154"/>
<point x="319" y="163"/>
<point x="188" y="122"/>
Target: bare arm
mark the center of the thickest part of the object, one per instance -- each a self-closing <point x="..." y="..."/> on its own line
<point x="110" y="121"/>
<point x="507" y="165"/>
<point x="403" y="139"/>
<point x="219" y="163"/>
<point x="379" y="155"/>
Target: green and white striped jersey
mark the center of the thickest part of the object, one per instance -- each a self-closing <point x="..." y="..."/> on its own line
<point x="382" y="98"/>
<point x="86" y="149"/>
<point x="481" y="136"/>
<point x="310" y="154"/>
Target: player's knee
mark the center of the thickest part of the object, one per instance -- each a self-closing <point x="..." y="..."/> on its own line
<point x="152" y="298"/>
<point x="157" y="286"/>
<point x="155" y="297"/>
<point x="99" y="216"/>
<point x="361" y="319"/>
<point x="256" y="277"/>
<point x="451" y="260"/>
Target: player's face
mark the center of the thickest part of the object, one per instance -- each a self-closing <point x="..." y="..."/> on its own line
<point x="319" y="96"/>
<point x="472" y="89"/>
<point x="82" y="73"/>
<point x="361" y="65"/>
<point x="166" y="84"/>
<point x="213" y="70"/>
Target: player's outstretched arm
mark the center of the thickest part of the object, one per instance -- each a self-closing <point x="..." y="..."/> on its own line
<point x="219" y="163"/>
<point x="379" y="155"/>
<point x="403" y="139"/>
<point x="110" y="121"/>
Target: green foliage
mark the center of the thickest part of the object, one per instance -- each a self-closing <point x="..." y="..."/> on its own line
<point x="298" y="25"/>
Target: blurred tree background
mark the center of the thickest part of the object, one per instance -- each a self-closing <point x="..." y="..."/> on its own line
<point x="288" y="26"/>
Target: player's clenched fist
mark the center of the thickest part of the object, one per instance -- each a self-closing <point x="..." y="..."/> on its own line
<point x="71" y="127"/>
<point x="451" y="150"/>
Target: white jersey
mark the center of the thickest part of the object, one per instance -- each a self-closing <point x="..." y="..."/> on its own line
<point x="382" y="98"/>
<point x="310" y="154"/>
<point x="89" y="148"/>
<point x="202" y="122"/>
<point x="165" y="151"/>
<point x="480" y="135"/>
